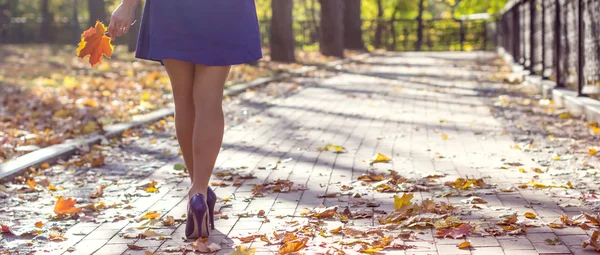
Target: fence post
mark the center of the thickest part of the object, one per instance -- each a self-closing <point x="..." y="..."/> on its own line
<point x="523" y="34"/>
<point x="558" y="39"/>
<point x="543" y="39"/>
<point x="532" y="32"/>
<point x="462" y="36"/>
<point x="517" y="34"/>
<point x="580" y="49"/>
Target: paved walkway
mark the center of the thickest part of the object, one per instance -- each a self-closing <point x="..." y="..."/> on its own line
<point x="431" y="113"/>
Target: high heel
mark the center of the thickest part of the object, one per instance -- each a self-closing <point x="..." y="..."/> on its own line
<point x="199" y="218"/>
<point x="211" y="201"/>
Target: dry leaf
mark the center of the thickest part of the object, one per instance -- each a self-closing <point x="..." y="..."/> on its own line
<point x="593" y="241"/>
<point x="202" y="245"/>
<point x="243" y="250"/>
<point x="403" y="203"/>
<point x="151" y="215"/>
<point x="464" y="245"/>
<point x="530" y="215"/>
<point x="95" y="43"/>
<point x="65" y="205"/>
<point x="98" y="193"/>
<point x="135" y="247"/>
<point x="293" y="246"/>
<point x="380" y="158"/>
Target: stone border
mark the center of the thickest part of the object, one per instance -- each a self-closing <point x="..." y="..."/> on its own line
<point x="51" y="154"/>
<point x="578" y="106"/>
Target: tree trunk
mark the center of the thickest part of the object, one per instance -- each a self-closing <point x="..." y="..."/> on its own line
<point x="97" y="11"/>
<point x="332" y="28"/>
<point x="379" y="28"/>
<point x="419" y="42"/>
<point x="46" y="26"/>
<point x="282" y="32"/>
<point x="134" y="31"/>
<point x="353" y="26"/>
<point x="75" y="22"/>
<point x="393" y="27"/>
<point x="313" y="15"/>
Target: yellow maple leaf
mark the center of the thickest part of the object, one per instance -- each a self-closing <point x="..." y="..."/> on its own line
<point x="380" y="158"/>
<point x="403" y="203"/>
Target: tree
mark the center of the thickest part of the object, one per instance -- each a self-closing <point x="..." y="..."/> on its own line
<point x="46" y="25"/>
<point x="97" y="11"/>
<point x="419" y="42"/>
<point x="282" y="32"/>
<point x="353" y="25"/>
<point x="379" y="28"/>
<point x="332" y="27"/>
<point x="75" y="22"/>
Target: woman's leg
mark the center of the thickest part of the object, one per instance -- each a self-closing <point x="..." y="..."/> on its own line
<point x="209" y="123"/>
<point x="181" y="75"/>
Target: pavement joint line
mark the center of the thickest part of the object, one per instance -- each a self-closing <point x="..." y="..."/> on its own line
<point x="51" y="154"/>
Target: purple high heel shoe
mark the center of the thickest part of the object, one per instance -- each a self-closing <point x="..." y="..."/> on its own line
<point x="211" y="201"/>
<point x="198" y="216"/>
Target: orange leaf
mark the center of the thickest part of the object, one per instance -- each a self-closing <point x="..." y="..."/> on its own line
<point x="293" y="246"/>
<point x="31" y="184"/>
<point x="65" y="205"/>
<point x="98" y="192"/>
<point x="95" y="43"/>
<point x="39" y="224"/>
<point x="151" y="215"/>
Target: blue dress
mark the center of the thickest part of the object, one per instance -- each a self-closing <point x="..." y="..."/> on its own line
<point x="208" y="32"/>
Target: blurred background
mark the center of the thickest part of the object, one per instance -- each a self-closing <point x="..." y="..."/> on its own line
<point x="389" y="24"/>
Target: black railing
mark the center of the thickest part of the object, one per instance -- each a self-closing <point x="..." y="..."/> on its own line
<point x="397" y="35"/>
<point x="556" y="39"/>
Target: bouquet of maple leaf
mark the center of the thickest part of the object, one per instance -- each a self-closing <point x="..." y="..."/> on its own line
<point x="95" y="43"/>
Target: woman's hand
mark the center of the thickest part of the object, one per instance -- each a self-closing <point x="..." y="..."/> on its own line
<point x="122" y="18"/>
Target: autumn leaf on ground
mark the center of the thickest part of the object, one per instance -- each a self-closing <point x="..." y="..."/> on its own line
<point x="202" y="245"/>
<point x="56" y="237"/>
<point x="293" y="246"/>
<point x="65" y="205"/>
<point x="95" y="44"/>
<point x="149" y="187"/>
<point x="334" y="148"/>
<point x="380" y="158"/>
<point x="459" y="232"/>
<point x="530" y="215"/>
<point x="135" y="247"/>
<point x="403" y="203"/>
<point x="151" y="215"/>
<point x="243" y="250"/>
<point x="31" y="183"/>
<point x="464" y="245"/>
<point x="98" y="192"/>
<point x="593" y="241"/>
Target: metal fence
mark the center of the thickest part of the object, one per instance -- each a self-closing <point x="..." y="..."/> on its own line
<point x="397" y="35"/>
<point x="557" y="39"/>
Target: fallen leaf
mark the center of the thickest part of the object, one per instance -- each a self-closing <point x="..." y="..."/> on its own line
<point x="380" y="158"/>
<point x="202" y="245"/>
<point x="530" y="215"/>
<point x="454" y="232"/>
<point x="39" y="224"/>
<point x="98" y="192"/>
<point x="444" y="137"/>
<point x="135" y="247"/>
<point x="593" y="241"/>
<point x="464" y="245"/>
<point x="151" y="215"/>
<point x="178" y="167"/>
<point x="95" y="44"/>
<point x="31" y="183"/>
<point x="243" y="250"/>
<point x="65" y="205"/>
<point x="293" y="246"/>
<point x="403" y="203"/>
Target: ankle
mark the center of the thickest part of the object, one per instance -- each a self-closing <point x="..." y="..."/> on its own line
<point x="196" y="190"/>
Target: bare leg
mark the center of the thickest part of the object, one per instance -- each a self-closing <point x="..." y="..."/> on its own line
<point x="181" y="75"/>
<point x="209" y="123"/>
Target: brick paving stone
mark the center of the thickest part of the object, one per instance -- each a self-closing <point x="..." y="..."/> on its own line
<point x="447" y="249"/>
<point x="487" y="251"/>
<point x="515" y="244"/>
